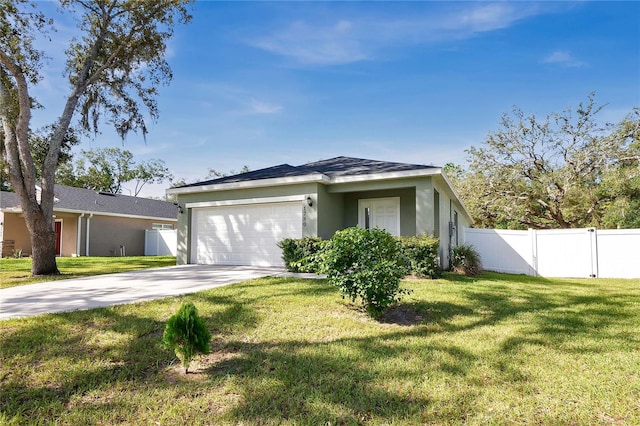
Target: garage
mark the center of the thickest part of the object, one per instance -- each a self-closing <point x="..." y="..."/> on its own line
<point x="243" y="234"/>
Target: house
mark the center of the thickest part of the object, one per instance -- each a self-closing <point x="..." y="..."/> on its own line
<point x="88" y="223"/>
<point x="239" y="219"/>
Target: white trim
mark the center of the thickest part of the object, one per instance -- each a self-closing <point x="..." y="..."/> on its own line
<point x="222" y="203"/>
<point x="88" y="222"/>
<point x="291" y="180"/>
<point x="387" y="175"/>
<point x="79" y="234"/>
<point x="130" y="216"/>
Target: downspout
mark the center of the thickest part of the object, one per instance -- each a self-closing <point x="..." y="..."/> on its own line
<point x="79" y="232"/>
<point x="86" y="249"/>
<point x="449" y="248"/>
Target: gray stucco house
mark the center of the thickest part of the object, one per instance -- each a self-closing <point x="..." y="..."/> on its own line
<point x="238" y="220"/>
<point x="88" y="223"/>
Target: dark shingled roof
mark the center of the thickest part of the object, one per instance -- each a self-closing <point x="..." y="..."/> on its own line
<point x="8" y="199"/>
<point x="333" y="167"/>
<point x="88" y="200"/>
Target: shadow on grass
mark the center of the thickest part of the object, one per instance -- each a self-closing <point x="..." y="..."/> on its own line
<point x="345" y="380"/>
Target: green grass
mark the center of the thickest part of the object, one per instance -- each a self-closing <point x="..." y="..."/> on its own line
<point x="14" y="272"/>
<point x="495" y="349"/>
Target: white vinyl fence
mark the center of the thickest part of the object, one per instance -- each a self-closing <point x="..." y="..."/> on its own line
<point x="160" y="242"/>
<point x="579" y="253"/>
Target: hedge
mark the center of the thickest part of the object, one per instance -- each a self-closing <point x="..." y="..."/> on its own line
<point x="419" y="253"/>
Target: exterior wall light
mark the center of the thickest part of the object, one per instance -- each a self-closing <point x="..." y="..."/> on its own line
<point x="180" y="209"/>
<point x="309" y="200"/>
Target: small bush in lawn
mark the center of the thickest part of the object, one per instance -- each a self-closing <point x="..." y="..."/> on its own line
<point x="465" y="260"/>
<point x="365" y="264"/>
<point x="421" y="254"/>
<point x="186" y="334"/>
<point x="301" y="254"/>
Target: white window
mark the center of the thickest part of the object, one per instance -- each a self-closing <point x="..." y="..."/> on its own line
<point x="162" y="226"/>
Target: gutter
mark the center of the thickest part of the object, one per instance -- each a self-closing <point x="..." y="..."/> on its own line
<point x="130" y="216"/>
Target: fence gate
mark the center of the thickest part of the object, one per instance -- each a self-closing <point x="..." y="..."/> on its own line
<point x="566" y="253"/>
<point x="577" y="253"/>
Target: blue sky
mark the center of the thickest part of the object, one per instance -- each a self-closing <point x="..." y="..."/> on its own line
<point x="265" y="83"/>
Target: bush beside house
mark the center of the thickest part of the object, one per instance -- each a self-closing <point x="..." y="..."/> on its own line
<point x="366" y="265"/>
<point x="419" y="255"/>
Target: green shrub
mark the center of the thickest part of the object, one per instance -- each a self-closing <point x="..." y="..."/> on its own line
<point x="365" y="264"/>
<point x="301" y="254"/>
<point x="186" y="334"/>
<point x="465" y="260"/>
<point x="421" y="253"/>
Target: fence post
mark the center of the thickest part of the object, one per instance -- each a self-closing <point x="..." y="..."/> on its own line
<point x="593" y="240"/>
<point x="533" y="264"/>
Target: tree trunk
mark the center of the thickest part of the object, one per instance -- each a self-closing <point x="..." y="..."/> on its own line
<point x="43" y="244"/>
<point x="44" y="254"/>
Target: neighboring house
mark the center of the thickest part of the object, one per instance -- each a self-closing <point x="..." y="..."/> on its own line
<point x="238" y="220"/>
<point x="88" y="223"/>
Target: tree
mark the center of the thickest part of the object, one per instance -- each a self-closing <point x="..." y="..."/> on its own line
<point x="114" y="70"/>
<point x="547" y="173"/>
<point x="186" y="334"/>
<point x="214" y="174"/>
<point x="107" y="169"/>
<point x="621" y="183"/>
<point x="39" y="143"/>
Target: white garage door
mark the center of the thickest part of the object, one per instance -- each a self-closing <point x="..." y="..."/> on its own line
<point x="243" y="235"/>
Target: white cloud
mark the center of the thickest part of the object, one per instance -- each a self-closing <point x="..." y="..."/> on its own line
<point x="316" y="44"/>
<point x="341" y="40"/>
<point x="261" y="107"/>
<point x="564" y="58"/>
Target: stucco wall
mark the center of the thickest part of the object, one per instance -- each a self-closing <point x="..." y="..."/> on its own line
<point x="330" y="211"/>
<point x="448" y="206"/>
<point x="69" y="240"/>
<point x="16" y="230"/>
<point x="108" y="233"/>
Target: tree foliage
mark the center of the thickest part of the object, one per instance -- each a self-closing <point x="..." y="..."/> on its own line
<point x="186" y="334"/>
<point x="565" y="170"/>
<point x="39" y="142"/>
<point x="114" y="70"/>
<point x="107" y="169"/>
<point x="366" y="265"/>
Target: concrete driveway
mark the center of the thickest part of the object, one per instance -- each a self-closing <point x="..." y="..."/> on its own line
<point x="126" y="287"/>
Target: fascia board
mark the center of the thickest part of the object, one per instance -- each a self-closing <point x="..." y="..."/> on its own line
<point x="292" y="180"/>
<point x="129" y="216"/>
<point x="386" y="175"/>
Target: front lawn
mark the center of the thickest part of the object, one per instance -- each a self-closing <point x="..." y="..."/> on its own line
<point x="15" y="272"/>
<point x="497" y="349"/>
